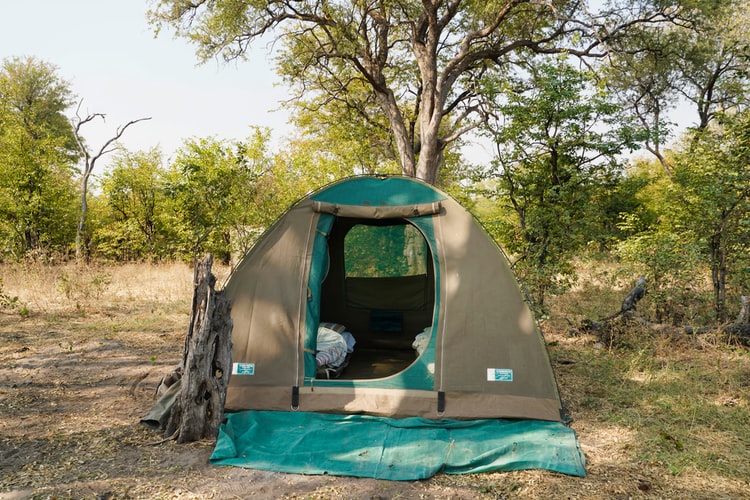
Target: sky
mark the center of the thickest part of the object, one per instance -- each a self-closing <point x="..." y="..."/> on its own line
<point x="109" y="54"/>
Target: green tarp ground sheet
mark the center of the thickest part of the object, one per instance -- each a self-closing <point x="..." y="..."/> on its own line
<point x="395" y="449"/>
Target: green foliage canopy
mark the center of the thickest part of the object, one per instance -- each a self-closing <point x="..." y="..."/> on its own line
<point x="137" y="224"/>
<point x="418" y="63"/>
<point x="37" y="158"/>
<point x="712" y="179"/>
<point x="558" y="138"/>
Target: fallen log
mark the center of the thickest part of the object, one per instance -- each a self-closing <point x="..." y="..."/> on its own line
<point x="605" y="328"/>
<point x="627" y="308"/>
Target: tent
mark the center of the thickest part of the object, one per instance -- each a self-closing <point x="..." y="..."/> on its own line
<point x="379" y="332"/>
<point x="438" y="323"/>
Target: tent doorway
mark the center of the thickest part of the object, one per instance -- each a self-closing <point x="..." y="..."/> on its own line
<point x="380" y="284"/>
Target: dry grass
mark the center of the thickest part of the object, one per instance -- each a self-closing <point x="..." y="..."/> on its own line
<point x="81" y="351"/>
<point x="69" y="289"/>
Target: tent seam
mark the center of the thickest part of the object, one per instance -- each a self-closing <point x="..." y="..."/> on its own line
<point x="304" y="288"/>
<point x="443" y="283"/>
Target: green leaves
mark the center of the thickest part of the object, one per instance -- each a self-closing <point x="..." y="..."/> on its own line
<point x="557" y="138"/>
<point x="37" y="158"/>
<point x="134" y="224"/>
<point x="700" y="232"/>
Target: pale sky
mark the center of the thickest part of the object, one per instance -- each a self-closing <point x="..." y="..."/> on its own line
<point x="108" y="53"/>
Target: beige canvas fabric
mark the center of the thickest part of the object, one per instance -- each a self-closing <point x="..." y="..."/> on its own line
<point x="486" y="323"/>
<point x="268" y="291"/>
<point x="395" y="403"/>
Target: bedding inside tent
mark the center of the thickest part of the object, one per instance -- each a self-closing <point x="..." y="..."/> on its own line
<point x="379" y="287"/>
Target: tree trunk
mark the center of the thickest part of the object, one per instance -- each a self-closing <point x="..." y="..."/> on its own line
<point x="404" y="145"/>
<point x="199" y="408"/>
<point x="81" y="239"/>
<point x="719" y="276"/>
<point x="89" y="161"/>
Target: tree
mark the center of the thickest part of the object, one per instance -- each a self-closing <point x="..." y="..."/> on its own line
<point x="360" y="137"/>
<point x="557" y="138"/>
<point x="215" y="186"/>
<point x="419" y="61"/>
<point x="714" y="74"/>
<point x="704" y="61"/>
<point x="89" y="162"/>
<point x="37" y="157"/>
<point x="703" y="224"/>
<point x="644" y="76"/>
<point x="136" y="220"/>
<point x="670" y="261"/>
<point x="712" y="199"/>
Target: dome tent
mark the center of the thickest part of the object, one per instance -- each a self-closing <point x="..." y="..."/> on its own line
<point x="448" y="371"/>
<point x="388" y="258"/>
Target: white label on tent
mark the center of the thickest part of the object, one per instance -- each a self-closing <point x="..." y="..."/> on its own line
<point x="243" y="368"/>
<point x="499" y="375"/>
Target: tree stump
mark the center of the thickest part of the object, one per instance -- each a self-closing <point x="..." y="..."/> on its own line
<point x="743" y="318"/>
<point x="206" y="362"/>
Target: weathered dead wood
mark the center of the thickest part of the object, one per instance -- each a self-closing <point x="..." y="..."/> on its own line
<point x="605" y="328"/>
<point x="168" y="381"/>
<point x="636" y="294"/>
<point x="206" y="363"/>
<point x="743" y="318"/>
<point x="627" y="308"/>
<point x="740" y="329"/>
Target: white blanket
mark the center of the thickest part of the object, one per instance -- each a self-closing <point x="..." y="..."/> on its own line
<point x="332" y="348"/>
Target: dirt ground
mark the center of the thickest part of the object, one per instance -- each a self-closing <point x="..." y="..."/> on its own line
<point x="74" y="385"/>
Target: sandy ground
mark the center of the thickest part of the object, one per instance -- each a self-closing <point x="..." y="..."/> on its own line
<point x="69" y="428"/>
<point x="74" y="385"/>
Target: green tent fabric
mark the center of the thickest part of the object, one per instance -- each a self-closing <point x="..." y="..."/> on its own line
<point x="396" y="449"/>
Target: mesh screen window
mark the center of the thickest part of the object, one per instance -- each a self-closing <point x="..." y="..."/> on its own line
<point x="384" y="251"/>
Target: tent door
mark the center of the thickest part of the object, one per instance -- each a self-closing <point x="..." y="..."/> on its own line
<point x="380" y="285"/>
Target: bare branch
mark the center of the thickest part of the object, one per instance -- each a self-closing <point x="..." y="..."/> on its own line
<point x="120" y="130"/>
<point x="89" y="163"/>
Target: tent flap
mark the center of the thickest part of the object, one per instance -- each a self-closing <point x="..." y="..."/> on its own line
<point x="377" y="211"/>
<point x="395" y="449"/>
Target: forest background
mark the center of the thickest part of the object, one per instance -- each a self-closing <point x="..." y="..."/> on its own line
<point x="575" y="101"/>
